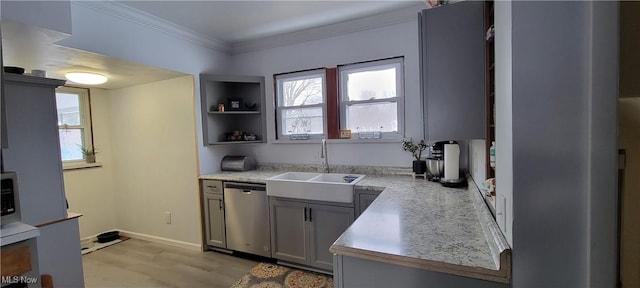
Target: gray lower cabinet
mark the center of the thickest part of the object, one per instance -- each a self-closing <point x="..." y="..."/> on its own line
<point x="302" y="232"/>
<point x="326" y="224"/>
<point x="289" y="231"/>
<point x="364" y="198"/>
<point x="213" y="210"/>
<point x="214" y="221"/>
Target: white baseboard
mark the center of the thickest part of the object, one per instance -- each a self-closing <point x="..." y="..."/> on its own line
<point x="150" y="238"/>
<point x="162" y="240"/>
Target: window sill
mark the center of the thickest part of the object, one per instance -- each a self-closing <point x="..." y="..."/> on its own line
<point x="336" y="141"/>
<point x="79" y="165"/>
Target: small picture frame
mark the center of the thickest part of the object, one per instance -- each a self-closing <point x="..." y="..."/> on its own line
<point x="234" y="104"/>
<point x="345" y="134"/>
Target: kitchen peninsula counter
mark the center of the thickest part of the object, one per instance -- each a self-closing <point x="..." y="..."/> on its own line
<point x="417" y="224"/>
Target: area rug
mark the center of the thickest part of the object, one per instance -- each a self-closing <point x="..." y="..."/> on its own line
<point x="266" y="275"/>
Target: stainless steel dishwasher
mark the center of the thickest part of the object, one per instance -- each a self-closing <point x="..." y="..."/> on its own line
<point x="247" y="218"/>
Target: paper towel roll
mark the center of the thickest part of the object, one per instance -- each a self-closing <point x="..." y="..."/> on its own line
<point x="451" y="161"/>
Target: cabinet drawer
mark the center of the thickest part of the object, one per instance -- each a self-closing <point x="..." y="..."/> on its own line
<point x="16" y="260"/>
<point x="212" y="186"/>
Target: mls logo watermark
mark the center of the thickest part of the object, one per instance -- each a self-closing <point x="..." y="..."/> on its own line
<point x="19" y="279"/>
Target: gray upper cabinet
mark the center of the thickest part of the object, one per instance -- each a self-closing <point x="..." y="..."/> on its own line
<point x="452" y="71"/>
<point x="34" y="147"/>
<point x="247" y="92"/>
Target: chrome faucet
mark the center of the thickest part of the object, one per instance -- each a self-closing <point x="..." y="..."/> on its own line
<point x="323" y="154"/>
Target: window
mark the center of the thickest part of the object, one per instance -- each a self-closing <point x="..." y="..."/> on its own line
<point x="366" y="98"/>
<point x="371" y="97"/>
<point x="300" y="104"/>
<point x="74" y="122"/>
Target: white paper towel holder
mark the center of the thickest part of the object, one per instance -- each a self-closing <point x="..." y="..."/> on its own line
<point x="453" y="161"/>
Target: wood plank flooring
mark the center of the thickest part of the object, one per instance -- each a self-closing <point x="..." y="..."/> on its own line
<point x="139" y="263"/>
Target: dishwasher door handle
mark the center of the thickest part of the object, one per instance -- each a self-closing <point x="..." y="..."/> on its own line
<point x="247" y="192"/>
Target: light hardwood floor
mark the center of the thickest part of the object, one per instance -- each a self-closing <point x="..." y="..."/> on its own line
<point x="139" y="263"/>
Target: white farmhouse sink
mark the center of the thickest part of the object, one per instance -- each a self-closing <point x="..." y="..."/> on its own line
<point x="332" y="187"/>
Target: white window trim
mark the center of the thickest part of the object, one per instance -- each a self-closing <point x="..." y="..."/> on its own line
<point x="344" y="70"/>
<point x="85" y="122"/>
<point x="279" y="109"/>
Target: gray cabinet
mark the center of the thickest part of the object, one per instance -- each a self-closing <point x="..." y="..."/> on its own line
<point x="452" y="71"/>
<point x="245" y="91"/>
<point x="302" y="232"/>
<point x="326" y="224"/>
<point x="213" y="210"/>
<point x="34" y="147"/>
<point x="363" y="199"/>
<point x="289" y="231"/>
<point x="33" y="152"/>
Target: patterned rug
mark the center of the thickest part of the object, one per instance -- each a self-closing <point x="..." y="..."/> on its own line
<point x="266" y="275"/>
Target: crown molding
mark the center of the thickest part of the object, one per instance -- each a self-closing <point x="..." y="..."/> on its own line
<point x="369" y="22"/>
<point x="142" y="18"/>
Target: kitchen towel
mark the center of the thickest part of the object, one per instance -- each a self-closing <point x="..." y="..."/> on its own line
<point x="451" y="161"/>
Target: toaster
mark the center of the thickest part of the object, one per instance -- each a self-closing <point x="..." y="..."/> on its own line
<point x="238" y="163"/>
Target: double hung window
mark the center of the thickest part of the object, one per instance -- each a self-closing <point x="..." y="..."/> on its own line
<point x="301" y="99"/>
<point x="74" y="122"/>
<point x="366" y="98"/>
<point x="371" y="97"/>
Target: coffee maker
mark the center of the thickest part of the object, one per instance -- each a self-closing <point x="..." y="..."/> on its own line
<point x="435" y="163"/>
<point x="444" y="164"/>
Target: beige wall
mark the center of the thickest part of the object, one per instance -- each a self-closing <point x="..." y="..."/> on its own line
<point x="155" y="168"/>
<point x="91" y="192"/>
<point x="148" y="142"/>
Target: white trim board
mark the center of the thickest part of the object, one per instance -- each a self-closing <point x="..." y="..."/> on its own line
<point x="142" y="18"/>
<point x="150" y="238"/>
<point x="162" y="240"/>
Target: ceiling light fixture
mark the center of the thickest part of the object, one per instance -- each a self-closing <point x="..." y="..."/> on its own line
<point x="86" y="78"/>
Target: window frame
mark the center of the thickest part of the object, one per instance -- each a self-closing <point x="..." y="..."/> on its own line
<point x="86" y="125"/>
<point x="345" y="70"/>
<point x="279" y="79"/>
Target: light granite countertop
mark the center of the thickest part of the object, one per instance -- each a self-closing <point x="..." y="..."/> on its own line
<point x="419" y="224"/>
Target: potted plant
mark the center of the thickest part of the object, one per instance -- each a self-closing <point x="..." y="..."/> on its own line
<point x="419" y="165"/>
<point x="90" y="153"/>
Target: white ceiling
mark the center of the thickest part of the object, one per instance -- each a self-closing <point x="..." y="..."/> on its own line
<point x="227" y="21"/>
<point x="236" y="21"/>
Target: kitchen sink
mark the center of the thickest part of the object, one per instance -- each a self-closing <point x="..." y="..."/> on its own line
<point x="332" y="187"/>
<point x="298" y="176"/>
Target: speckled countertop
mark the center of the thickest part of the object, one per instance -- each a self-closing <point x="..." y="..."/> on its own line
<point x="420" y="224"/>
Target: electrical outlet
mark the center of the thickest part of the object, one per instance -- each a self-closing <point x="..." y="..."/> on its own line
<point x="167" y="216"/>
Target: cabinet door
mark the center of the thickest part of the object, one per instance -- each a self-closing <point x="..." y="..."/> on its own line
<point x="326" y="224"/>
<point x="452" y="66"/>
<point x="214" y="220"/>
<point x="289" y="231"/>
<point x="34" y="147"/>
<point x="364" y="200"/>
